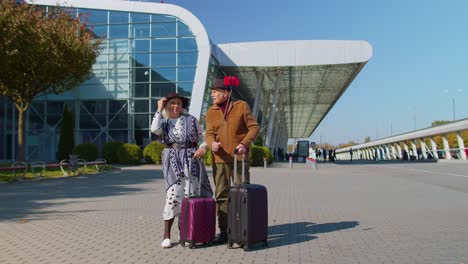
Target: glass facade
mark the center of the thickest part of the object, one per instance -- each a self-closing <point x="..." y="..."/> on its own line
<point x="142" y="58"/>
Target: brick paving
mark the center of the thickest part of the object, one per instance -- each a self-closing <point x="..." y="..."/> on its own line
<point x="381" y="213"/>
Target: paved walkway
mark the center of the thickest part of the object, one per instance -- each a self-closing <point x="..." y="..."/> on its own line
<point x="380" y="213"/>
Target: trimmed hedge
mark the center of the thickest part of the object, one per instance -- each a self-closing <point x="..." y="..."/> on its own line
<point x="153" y="152"/>
<point x="129" y="154"/>
<point x="109" y="151"/>
<point x="257" y="155"/>
<point x="267" y="154"/>
<point x="88" y="152"/>
<point x="67" y="135"/>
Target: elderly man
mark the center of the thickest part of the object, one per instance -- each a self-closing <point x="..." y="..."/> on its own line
<point x="230" y="125"/>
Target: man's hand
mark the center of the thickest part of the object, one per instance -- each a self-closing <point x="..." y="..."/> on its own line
<point x="215" y="146"/>
<point x="241" y="149"/>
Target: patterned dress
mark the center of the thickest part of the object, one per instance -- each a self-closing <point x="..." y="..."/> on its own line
<point x="181" y="136"/>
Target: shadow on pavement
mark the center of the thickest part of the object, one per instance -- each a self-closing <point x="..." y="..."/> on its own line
<point x="293" y="233"/>
<point x="33" y="199"/>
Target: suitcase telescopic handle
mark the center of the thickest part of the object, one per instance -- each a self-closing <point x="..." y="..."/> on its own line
<point x="235" y="166"/>
<point x="200" y="179"/>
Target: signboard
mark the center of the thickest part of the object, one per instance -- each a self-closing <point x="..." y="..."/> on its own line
<point x="303" y="148"/>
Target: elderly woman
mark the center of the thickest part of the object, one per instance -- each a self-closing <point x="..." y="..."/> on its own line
<point x="181" y="134"/>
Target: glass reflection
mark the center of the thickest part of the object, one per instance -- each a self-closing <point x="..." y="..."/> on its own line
<point x="168" y="44"/>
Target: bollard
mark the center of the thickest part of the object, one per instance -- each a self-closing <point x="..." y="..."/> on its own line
<point x="265" y="162"/>
<point x="290" y="162"/>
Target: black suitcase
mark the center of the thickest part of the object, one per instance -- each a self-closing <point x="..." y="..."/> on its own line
<point x="247" y="213"/>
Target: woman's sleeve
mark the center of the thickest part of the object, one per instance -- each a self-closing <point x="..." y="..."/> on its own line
<point x="201" y="135"/>
<point x="156" y="124"/>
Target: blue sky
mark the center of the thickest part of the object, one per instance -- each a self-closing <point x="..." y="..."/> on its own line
<point x="419" y="63"/>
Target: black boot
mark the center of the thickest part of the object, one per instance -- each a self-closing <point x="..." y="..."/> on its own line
<point x="221" y="239"/>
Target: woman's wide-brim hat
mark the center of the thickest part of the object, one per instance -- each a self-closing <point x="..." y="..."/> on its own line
<point x="184" y="100"/>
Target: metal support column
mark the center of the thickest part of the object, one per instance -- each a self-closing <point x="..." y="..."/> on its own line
<point x="461" y="146"/>
<point x="273" y="110"/>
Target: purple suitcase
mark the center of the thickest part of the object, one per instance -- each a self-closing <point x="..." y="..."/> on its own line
<point x="247" y="213"/>
<point x="197" y="218"/>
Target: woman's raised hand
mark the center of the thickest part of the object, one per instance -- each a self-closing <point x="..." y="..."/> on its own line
<point x="161" y="103"/>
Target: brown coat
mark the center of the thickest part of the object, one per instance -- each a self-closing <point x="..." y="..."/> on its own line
<point x="240" y="127"/>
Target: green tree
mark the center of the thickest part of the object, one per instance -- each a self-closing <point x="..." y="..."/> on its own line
<point x="367" y="139"/>
<point x="67" y="135"/>
<point x="439" y="123"/>
<point x="41" y="53"/>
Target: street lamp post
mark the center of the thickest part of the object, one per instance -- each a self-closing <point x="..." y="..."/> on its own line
<point x="453" y="102"/>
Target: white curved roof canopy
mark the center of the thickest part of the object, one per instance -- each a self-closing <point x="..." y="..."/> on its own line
<point x="312" y="75"/>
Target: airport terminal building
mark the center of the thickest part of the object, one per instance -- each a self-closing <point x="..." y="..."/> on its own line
<point x="150" y="49"/>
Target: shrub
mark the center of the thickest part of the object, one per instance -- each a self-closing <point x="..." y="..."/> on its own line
<point x="267" y="154"/>
<point x="259" y="140"/>
<point x="153" y="152"/>
<point x="88" y="152"/>
<point x="256" y="156"/>
<point x="129" y="154"/>
<point x="67" y="136"/>
<point x="109" y="151"/>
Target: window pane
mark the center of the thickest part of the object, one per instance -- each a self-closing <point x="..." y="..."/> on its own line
<point x="184" y="30"/>
<point x="187" y="44"/>
<point x="118" y="17"/>
<point x="163" y="59"/>
<point x="118" y="76"/>
<point x="186" y="74"/>
<point x="187" y="59"/>
<point x="142" y="90"/>
<point x="95" y="17"/>
<point x="140" y="45"/>
<point x="161" y="89"/>
<point x="139" y="18"/>
<point x="115" y="106"/>
<point x="163" y="45"/>
<point x="141" y="121"/>
<point x="93" y="107"/>
<point x="185" y="88"/>
<point x="118" y="135"/>
<point x="140" y="60"/>
<point x="118" y="31"/>
<point x="99" y="31"/>
<point x="155" y="18"/>
<point x="120" y="121"/>
<point x="37" y="106"/>
<point x="163" y="29"/>
<point x="103" y="48"/>
<point x="101" y="62"/>
<point x="118" y="47"/>
<point x="97" y="77"/>
<point x="139" y="30"/>
<point x="141" y="74"/>
<point x="88" y="122"/>
<point x="141" y="106"/>
<point x="54" y="107"/>
<point x="163" y="74"/>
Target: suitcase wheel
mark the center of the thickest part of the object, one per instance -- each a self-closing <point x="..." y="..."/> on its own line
<point x="191" y="245"/>
<point x="265" y="243"/>
<point x="246" y="248"/>
<point x="229" y="245"/>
